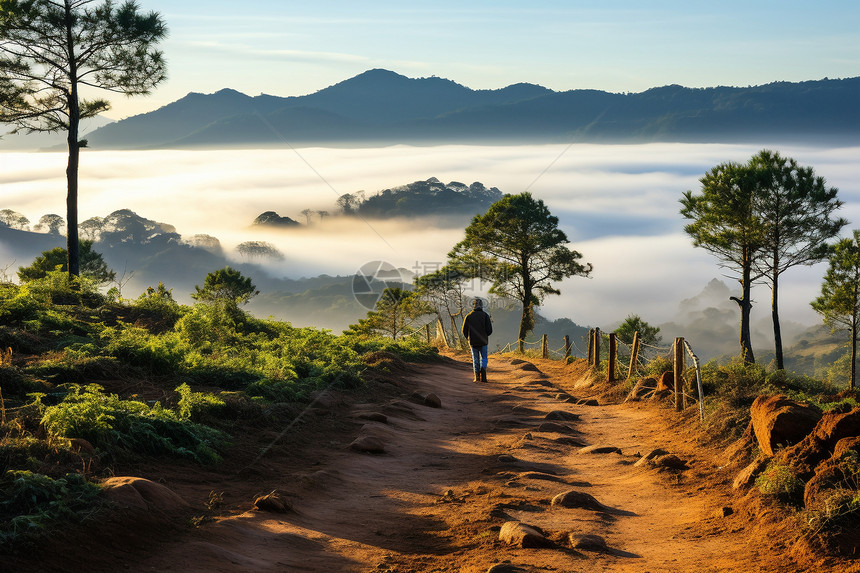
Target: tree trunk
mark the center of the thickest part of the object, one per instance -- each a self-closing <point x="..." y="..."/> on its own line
<point x="526" y="320"/>
<point x="777" y="330"/>
<point x="746" y="306"/>
<point x="74" y="153"/>
<point x="72" y="203"/>
<point x="854" y="320"/>
<point x="853" y="356"/>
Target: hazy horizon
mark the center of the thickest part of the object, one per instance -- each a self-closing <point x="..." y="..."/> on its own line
<point x="618" y="205"/>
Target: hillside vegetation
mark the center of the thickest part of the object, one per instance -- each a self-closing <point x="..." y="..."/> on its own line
<point x="91" y="384"/>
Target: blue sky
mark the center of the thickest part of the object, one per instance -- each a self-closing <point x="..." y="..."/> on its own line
<point x="285" y="47"/>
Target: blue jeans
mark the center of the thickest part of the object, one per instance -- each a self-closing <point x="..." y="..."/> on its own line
<point x="479" y="357"/>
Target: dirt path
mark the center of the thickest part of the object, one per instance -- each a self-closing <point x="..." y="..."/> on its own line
<point x="450" y="477"/>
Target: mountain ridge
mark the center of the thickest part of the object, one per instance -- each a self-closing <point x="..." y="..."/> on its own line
<point x="382" y="106"/>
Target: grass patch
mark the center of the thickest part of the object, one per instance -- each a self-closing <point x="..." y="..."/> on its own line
<point x="778" y="480"/>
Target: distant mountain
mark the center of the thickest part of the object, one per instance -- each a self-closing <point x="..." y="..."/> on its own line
<point x="380" y="106"/>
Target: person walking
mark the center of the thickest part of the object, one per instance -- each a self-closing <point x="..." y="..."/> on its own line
<point x="477" y="328"/>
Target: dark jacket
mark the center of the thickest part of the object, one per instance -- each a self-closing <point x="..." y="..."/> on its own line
<point x="477" y="328"/>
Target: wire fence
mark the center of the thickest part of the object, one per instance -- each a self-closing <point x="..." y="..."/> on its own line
<point x="625" y="360"/>
<point x="633" y="357"/>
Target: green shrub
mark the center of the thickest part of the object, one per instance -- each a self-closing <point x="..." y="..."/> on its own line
<point x="658" y="366"/>
<point x="33" y="501"/>
<point x="275" y="390"/>
<point x="75" y="366"/>
<point x="838" y="511"/>
<point x="207" y="325"/>
<point x="846" y="405"/>
<point x="734" y="386"/>
<point x="839" y="508"/>
<point x="127" y="427"/>
<point x="58" y="288"/>
<point x="197" y="405"/>
<point x="158" y="299"/>
<point x="838" y="372"/>
<point x="28" y="452"/>
<point x="210" y="373"/>
<point x="411" y="349"/>
<point x="778" y="480"/>
<point x="17" y="307"/>
<point x="15" y="383"/>
<point x="134" y="346"/>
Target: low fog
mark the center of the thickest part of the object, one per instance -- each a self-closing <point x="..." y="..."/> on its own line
<point x="618" y="205"/>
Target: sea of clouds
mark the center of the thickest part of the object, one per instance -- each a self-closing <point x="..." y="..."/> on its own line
<point x="618" y="205"/>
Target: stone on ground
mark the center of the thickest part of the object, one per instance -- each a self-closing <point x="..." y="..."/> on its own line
<point x="599" y="450"/>
<point x="587" y="542"/>
<point x="569" y="441"/>
<point x="274" y="502"/>
<point x="780" y="421"/>
<point x="556" y="427"/>
<point x="747" y="476"/>
<point x="648" y="458"/>
<point x="540" y="476"/>
<point x="505" y="568"/>
<point x="834" y="426"/>
<point x="374" y="417"/>
<point x="368" y="445"/>
<point x="724" y="511"/>
<point x="143" y="494"/>
<point x="670" y="461"/>
<point x="522" y="535"/>
<point x="561" y="415"/>
<point x="579" y="500"/>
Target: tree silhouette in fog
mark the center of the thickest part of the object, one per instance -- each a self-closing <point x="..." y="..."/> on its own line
<point x="259" y="250"/>
<point x="51" y="223"/>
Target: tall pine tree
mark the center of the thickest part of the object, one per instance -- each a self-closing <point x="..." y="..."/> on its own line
<point x="52" y="49"/>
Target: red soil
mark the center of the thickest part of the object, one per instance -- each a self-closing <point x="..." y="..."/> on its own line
<point x="447" y="481"/>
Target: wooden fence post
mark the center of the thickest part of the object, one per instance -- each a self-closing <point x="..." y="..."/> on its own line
<point x="613" y="355"/>
<point x="634" y="355"/>
<point x="597" y="348"/>
<point x="566" y="347"/>
<point x="591" y="347"/>
<point x="544" y="346"/>
<point x="678" y="369"/>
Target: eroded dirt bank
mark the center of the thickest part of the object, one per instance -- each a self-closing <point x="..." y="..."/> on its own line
<point x="445" y="481"/>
